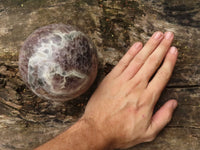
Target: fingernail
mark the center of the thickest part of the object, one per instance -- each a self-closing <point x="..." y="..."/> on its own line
<point x="168" y="35"/>
<point x="137" y="45"/>
<point x="157" y="35"/>
<point x="173" y="50"/>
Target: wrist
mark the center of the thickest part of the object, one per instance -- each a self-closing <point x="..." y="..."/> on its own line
<point x="95" y="138"/>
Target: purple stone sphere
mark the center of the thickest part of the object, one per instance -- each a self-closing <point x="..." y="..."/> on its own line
<point x="58" y="62"/>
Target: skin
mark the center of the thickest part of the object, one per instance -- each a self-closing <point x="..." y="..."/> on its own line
<point x="120" y="112"/>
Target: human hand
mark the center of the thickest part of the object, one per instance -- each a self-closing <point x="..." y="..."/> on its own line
<point x="121" y="108"/>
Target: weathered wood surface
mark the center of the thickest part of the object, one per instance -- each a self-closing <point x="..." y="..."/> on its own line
<point x="27" y="121"/>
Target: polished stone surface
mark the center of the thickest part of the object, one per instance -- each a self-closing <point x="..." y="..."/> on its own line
<point x="57" y="62"/>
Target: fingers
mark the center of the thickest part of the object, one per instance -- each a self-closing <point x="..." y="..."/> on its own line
<point x="124" y="62"/>
<point x="155" y="59"/>
<point x="163" y="75"/>
<point x="141" y="57"/>
<point x="160" y="119"/>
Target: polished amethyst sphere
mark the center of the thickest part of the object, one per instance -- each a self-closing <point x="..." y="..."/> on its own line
<point x="58" y="62"/>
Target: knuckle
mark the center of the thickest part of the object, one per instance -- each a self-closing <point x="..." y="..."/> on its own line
<point x="139" y="60"/>
<point x="164" y="73"/>
<point x="129" y="73"/>
<point x="137" y="82"/>
<point x="153" y="59"/>
<point x="131" y="108"/>
<point x="123" y="63"/>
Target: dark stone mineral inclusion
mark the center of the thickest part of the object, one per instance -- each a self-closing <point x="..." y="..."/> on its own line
<point x="58" y="62"/>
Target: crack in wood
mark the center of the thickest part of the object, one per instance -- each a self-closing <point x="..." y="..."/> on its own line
<point x="183" y="86"/>
<point x="187" y="127"/>
<point x="1" y="10"/>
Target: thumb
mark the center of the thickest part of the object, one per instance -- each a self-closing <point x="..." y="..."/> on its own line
<point x="160" y="119"/>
